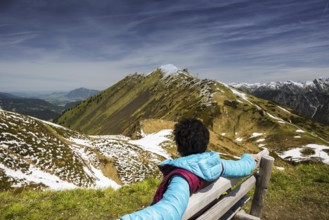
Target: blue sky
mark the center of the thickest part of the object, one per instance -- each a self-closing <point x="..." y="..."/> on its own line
<point x="63" y="45"/>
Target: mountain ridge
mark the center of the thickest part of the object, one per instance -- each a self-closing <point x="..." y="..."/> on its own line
<point x="125" y="107"/>
<point x="308" y="98"/>
<point x="320" y="83"/>
<point x="140" y="97"/>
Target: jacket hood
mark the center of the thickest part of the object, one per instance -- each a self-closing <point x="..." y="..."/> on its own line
<point x="205" y="165"/>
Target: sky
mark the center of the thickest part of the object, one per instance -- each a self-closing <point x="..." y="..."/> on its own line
<point x="63" y="45"/>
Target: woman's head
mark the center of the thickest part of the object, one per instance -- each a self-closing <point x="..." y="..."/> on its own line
<point x="191" y="136"/>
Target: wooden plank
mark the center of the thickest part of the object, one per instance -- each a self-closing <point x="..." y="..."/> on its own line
<point x="220" y="208"/>
<point x="263" y="153"/>
<point x="261" y="186"/>
<point x="242" y="215"/>
<point x="202" y="198"/>
<point x="235" y="209"/>
<point x="206" y="195"/>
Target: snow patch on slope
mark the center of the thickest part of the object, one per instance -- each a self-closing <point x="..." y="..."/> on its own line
<point x="152" y="142"/>
<point x="241" y="95"/>
<point x="297" y="155"/>
<point x="256" y="134"/>
<point x="38" y="176"/>
<point x="37" y="150"/>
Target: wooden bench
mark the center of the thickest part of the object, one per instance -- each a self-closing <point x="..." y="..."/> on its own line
<point x="220" y="201"/>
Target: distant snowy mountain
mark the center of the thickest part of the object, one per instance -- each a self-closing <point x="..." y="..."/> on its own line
<point x="320" y="85"/>
<point x="308" y="98"/>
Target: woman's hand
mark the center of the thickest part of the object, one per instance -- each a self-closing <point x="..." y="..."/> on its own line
<point x="256" y="158"/>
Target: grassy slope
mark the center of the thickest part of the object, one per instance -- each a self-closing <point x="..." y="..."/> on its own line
<point x="298" y="192"/>
<point x="76" y="204"/>
<point x="39" y="145"/>
<point x="26" y="143"/>
<point x="120" y="108"/>
<point x="125" y="107"/>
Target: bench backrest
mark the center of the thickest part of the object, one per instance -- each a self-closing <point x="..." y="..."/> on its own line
<point x="210" y="203"/>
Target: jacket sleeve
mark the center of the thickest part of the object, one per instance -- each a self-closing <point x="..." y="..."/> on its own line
<point x="171" y="206"/>
<point x="239" y="168"/>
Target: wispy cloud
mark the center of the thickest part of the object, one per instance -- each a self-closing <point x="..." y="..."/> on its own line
<point x="240" y="40"/>
<point x="11" y="39"/>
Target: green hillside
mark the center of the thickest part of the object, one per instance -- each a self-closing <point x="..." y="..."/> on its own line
<point x="37" y="154"/>
<point x="119" y="109"/>
<point x="298" y="192"/>
<point x="31" y="146"/>
<point x="144" y="105"/>
<point x="232" y="116"/>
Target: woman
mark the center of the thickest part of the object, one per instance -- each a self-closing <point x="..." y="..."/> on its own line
<point x="191" y="172"/>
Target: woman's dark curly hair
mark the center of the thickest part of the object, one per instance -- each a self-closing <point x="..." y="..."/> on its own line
<point x="191" y="136"/>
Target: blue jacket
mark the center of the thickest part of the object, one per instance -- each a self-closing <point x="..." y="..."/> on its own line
<point x="208" y="166"/>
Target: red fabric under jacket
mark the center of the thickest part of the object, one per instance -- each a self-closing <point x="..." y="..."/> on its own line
<point x="194" y="181"/>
